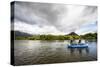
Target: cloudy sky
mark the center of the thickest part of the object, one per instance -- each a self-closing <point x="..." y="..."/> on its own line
<point x="57" y="19"/>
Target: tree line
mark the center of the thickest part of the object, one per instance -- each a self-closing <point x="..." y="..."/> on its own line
<point x="88" y="36"/>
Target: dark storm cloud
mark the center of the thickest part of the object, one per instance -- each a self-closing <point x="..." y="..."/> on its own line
<point x="89" y="10"/>
<point x="36" y="13"/>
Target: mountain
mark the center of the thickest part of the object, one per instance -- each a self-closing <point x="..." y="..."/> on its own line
<point x="73" y="33"/>
<point x="18" y="33"/>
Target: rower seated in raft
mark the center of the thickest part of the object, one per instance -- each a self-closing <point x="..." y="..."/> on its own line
<point x="77" y="42"/>
<point x="73" y="42"/>
<point x="81" y="42"/>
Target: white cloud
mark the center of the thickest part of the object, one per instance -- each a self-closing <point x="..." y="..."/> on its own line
<point x="38" y="18"/>
<point x="35" y="29"/>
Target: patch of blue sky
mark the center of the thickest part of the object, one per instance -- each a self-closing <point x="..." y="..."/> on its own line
<point x="87" y="28"/>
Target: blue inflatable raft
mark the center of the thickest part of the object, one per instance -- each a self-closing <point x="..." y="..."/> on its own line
<point x="78" y="46"/>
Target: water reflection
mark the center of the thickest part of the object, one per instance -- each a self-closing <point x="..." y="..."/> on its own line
<point x="79" y="50"/>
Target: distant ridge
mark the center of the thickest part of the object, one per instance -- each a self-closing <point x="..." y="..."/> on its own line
<point x="18" y="33"/>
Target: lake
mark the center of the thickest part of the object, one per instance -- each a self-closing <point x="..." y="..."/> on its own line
<point x="28" y="52"/>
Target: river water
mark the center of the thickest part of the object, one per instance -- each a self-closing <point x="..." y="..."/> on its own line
<point x="27" y="52"/>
